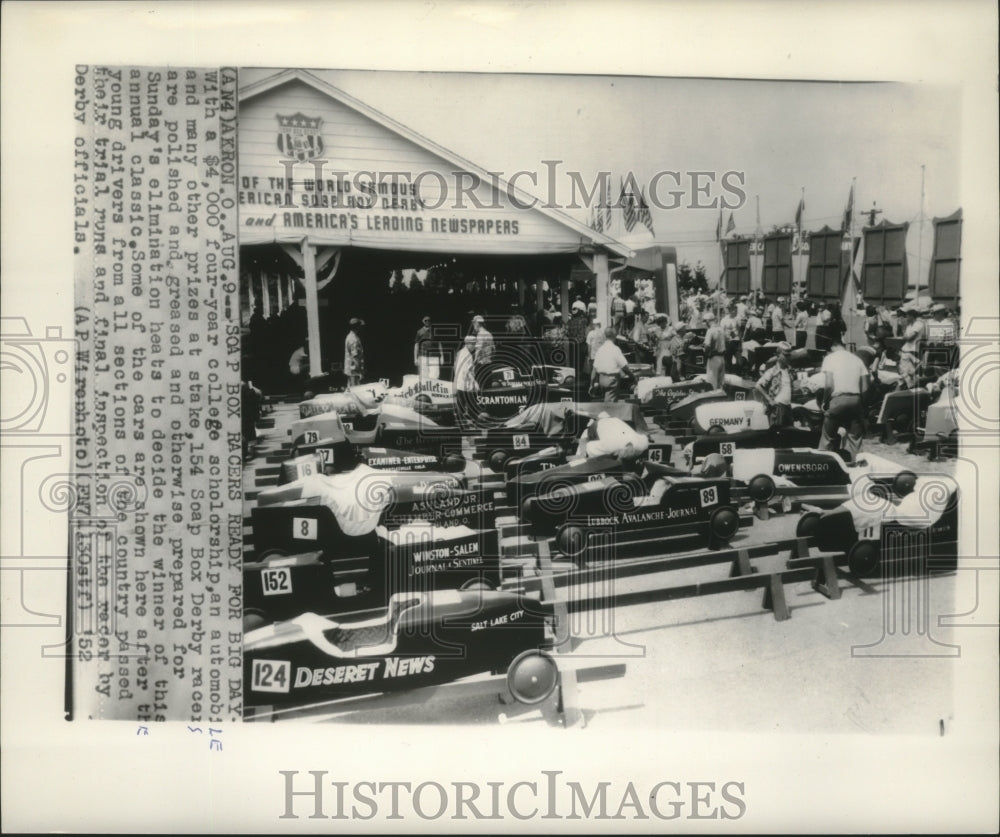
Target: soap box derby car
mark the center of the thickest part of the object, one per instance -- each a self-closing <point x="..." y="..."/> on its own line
<point x="682" y="416"/>
<point x="661" y="393"/>
<point x="324" y="460"/>
<point x="542" y="383"/>
<point x="420" y="639"/>
<point x="394" y="427"/>
<point x="820" y="478"/>
<point x="939" y="435"/>
<point x="608" y="446"/>
<point x="916" y="526"/>
<point x="360" y="402"/>
<point x="718" y="417"/>
<point x="552" y="457"/>
<point x="772" y="437"/>
<point x="408" y="559"/>
<point x="544" y="425"/>
<point x="337" y="515"/>
<point x="565" y="431"/>
<point x="659" y="502"/>
<point x="519" y="490"/>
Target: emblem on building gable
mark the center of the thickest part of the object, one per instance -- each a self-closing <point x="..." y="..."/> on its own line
<point x="299" y="136"/>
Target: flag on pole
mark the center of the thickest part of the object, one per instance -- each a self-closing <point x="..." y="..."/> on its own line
<point x="607" y="207"/>
<point x="597" y="218"/>
<point x="718" y="228"/>
<point x="731" y="225"/>
<point x="857" y="260"/>
<point x="644" y="215"/>
<point x="849" y="211"/>
<point x="628" y="206"/>
<point x="799" y="212"/>
<point x="757" y="244"/>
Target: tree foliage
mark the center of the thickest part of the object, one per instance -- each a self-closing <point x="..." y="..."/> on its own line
<point x="691" y="280"/>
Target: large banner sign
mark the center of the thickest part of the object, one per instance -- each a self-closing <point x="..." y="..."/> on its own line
<point x="316" y="163"/>
<point x="884" y="274"/>
<point x="946" y="260"/>
<point x="738" y="266"/>
<point x="828" y="263"/>
<point x="776" y="280"/>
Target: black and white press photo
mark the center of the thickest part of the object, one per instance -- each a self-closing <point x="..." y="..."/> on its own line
<point x="499" y="417"/>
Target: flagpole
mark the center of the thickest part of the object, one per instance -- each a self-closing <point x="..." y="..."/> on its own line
<point x="850" y="230"/>
<point x="802" y="203"/>
<point x="758" y="243"/>
<point x="722" y="263"/>
<point x="920" y="235"/>
<point x="850" y="257"/>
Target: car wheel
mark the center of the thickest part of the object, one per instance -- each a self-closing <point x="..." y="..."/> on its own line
<point x="863" y="558"/>
<point x="454" y="463"/>
<point x="253" y="619"/>
<point x="902" y="423"/>
<point x="528" y="510"/>
<point x="532" y="676"/>
<point x="761" y="488"/>
<point x="903" y="483"/>
<point x="498" y="459"/>
<point x="806" y="527"/>
<point x="724" y="523"/>
<point x="477" y="584"/>
<point x="571" y="541"/>
<point x="273" y="553"/>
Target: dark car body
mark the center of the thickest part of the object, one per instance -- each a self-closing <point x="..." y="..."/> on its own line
<point x="926" y="539"/>
<point x="283" y="586"/>
<point x="521" y="489"/>
<point x="418" y="640"/>
<point x="773" y="437"/>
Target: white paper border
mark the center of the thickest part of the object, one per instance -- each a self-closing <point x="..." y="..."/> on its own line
<point x="94" y="777"/>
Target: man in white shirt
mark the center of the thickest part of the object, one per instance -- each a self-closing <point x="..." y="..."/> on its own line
<point x="595" y="339"/>
<point x="465" y="379"/>
<point x="775" y="385"/>
<point x="354" y="353"/>
<point x="778" y="321"/>
<point x="715" y="352"/>
<point x="741" y="311"/>
<point x="729" y="323"/>
<point x="484" y="341"/>
<point x="298" y="365"/>
<point x="845" y="383"/>
<point x="754" y="325"/>
<point x="610" y="366"/>
<point x="801" y="325"/>
<point x="941" y="328"/>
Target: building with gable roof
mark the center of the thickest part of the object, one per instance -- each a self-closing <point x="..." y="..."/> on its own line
<point x="345" y="212"/>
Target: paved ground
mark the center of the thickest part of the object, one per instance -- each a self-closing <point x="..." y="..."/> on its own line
<point x="724" y="663"/>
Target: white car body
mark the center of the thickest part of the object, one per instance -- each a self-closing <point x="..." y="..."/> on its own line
<point x="732" y="416"/>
